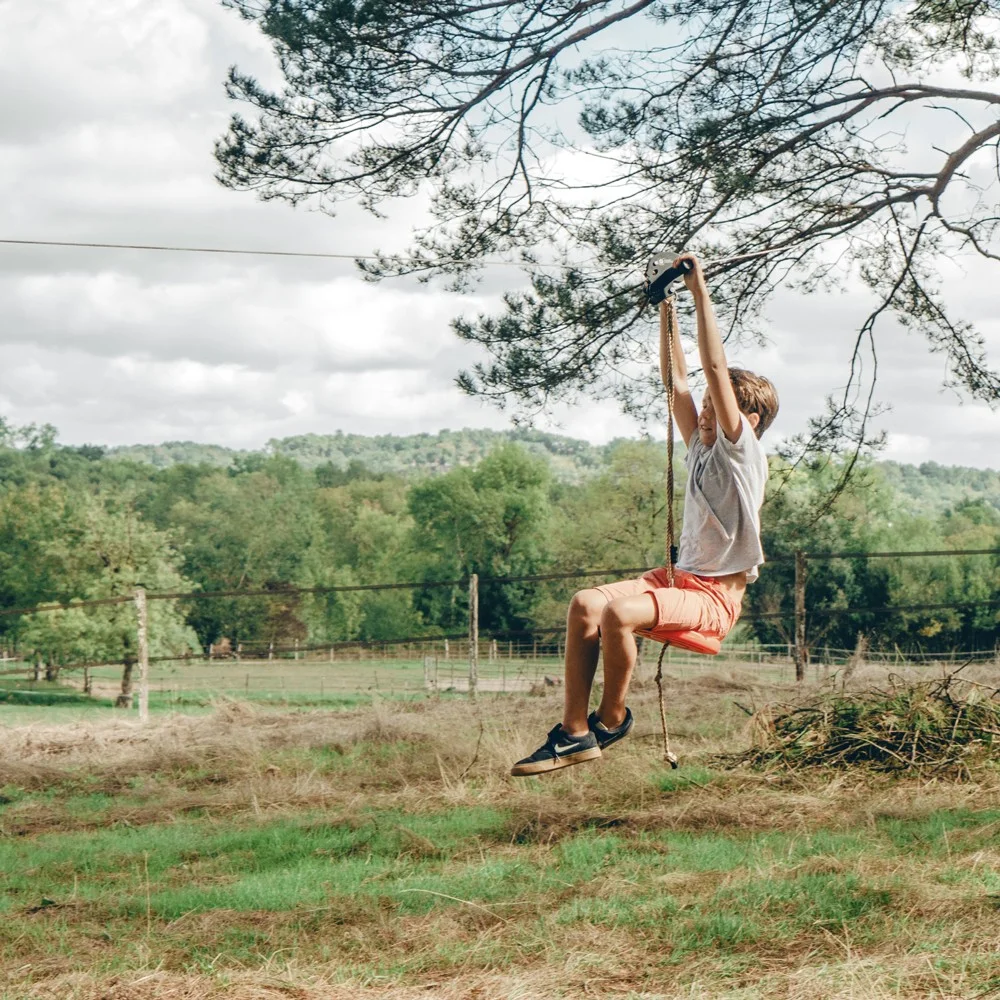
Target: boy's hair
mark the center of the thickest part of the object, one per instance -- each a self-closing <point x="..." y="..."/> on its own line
<point x="755" y="394"/>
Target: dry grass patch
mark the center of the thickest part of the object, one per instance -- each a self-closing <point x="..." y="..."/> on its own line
<point x="945" y="726"/>
<point x="842" y="975"/>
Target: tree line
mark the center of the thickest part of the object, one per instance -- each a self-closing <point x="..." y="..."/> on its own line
<point x="929" y="488"/>
<point x="76" y="525"/>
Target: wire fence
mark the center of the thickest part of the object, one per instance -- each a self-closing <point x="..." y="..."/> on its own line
<point x="436" y="667"/>
<point x="510" y="660"/>
<point x="574" y="574"/>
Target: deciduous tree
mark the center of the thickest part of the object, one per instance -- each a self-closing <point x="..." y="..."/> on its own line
<point x="103" y="549"/>
<point x="491" y="520"/>
<point x="786" y="141"/>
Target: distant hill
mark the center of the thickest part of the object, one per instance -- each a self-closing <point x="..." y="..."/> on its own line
<point x="408" y="455"/>
<point x="930" y="487"/>
<point x="162" y="456"/>
<point x="926" y="489"/>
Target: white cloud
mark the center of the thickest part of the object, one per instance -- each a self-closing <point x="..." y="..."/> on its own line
<point x="120" y="56"/>
<point x="252" y="317"/>
<point x="297" y="401"/>
<point x="31" y="380"/>
<point x="912" y="448"/>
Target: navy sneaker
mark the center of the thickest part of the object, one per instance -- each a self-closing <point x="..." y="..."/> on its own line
<point x="559" y="750"/>
<point x="605" y="737"/>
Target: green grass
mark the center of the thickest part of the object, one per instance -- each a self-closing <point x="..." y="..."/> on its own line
<point x="21" y="691"/>
<point x="457" y="858"/>
<point x="52" y="708"/>
<point x="676" y="780"/>
<point x="932" y="834"/>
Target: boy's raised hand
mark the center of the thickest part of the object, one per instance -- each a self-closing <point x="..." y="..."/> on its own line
<point x="694" y="280"/>
<point x="713" y="355"/>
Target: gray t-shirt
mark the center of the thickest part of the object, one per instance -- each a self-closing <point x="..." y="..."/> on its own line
<point x="725" y="490"/>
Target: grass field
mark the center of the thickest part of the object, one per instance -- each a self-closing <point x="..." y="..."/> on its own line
<point x="380" y="850"/>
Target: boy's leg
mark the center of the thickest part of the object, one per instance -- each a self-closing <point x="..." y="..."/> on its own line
<point x="585" y="638"/>
<point x="572" y="742"/>
<point x="583" y="646"/>
<point x="686" y="605"/>
<point x="569" y="742"/>
<point x="619" y="619"/>
<point x="607" y="616"/>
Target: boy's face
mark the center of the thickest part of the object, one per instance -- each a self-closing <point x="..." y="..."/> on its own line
<point x="707" y="428"/>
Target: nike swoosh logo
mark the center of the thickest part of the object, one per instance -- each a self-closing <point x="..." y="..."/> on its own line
<point x="562" y="749"/>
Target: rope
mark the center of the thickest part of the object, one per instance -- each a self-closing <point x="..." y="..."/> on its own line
<point x="668" y="755"/>
<point x="671" y="334"/>
<point x="671" y="306"/>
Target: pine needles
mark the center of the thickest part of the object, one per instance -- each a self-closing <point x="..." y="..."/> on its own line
<point x="943" y="726"/>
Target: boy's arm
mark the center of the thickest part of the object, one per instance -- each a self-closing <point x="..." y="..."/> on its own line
<point x="685" y="411"/>
<point x="713" y="355"/>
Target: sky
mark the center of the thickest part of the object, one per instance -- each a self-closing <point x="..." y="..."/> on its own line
<point x="106" y="135"/>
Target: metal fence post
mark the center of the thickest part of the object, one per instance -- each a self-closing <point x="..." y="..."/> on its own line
<point x="801" y="651"/>
<point x="473" y="634"/>
<point x="142" y="622"/>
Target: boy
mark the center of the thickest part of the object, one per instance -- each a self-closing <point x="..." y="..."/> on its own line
<point x="719" y="547"/>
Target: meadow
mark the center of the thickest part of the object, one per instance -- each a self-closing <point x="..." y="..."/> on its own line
<point x="378" y="848"/>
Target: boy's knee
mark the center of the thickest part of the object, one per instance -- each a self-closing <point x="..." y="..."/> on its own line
<point x="629" y="613"/>
<point x="612" y="617"/>
<point x="586" y="606"/>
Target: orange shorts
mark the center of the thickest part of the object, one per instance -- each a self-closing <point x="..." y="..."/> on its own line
<point x="694" y="602"/>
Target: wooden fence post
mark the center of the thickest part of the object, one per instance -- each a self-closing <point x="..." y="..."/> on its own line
<point x="142" y="621"/>
<point x="801" y="651"/>
<point x="473" y="634"/>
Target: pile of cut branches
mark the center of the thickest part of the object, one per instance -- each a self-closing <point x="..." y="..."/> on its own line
<point x="944" y="726"/>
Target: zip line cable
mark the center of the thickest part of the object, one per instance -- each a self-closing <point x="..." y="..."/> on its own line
<point x="251" y="253"/>
<point x="179" y="249"/>
<point x="322" y="255"/>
